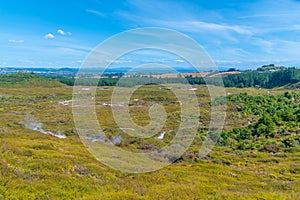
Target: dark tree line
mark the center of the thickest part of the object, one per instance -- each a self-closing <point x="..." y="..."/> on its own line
<point x="247" y="79"/>
<point x="254" y="79"/>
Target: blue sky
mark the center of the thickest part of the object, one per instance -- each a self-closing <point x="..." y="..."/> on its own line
<point x="242" y="34"/>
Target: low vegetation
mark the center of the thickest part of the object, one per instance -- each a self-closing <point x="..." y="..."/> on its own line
<point x="257" y="156"/>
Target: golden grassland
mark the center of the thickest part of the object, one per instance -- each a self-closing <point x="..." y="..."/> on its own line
<point x="38" y="166"/>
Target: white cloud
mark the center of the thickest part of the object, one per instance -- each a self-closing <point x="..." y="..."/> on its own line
<point x="49" y="36"/>
<point x="179" y="61"/>
<point x="95" y="12"/>
<point x="272" y="15"/>
<point x="191" y="26"/>
<point x="16" y="41"/>
<point x="61" y="32"/>
<point x="198" y="26"/>
<point x="119" y="61"/>
<point x="219" y="27"/>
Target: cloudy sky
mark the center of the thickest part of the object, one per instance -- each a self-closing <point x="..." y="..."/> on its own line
<point x="61" y="33"/>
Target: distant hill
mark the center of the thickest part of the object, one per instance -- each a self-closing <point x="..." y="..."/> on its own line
<point x="27" y="80"/>
<point x="266" y="79"/>
<point x="271" y="68"/>
<point x="268" y="76"/>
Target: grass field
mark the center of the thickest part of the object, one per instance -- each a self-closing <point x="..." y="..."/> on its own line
<point x="34" y="165"/>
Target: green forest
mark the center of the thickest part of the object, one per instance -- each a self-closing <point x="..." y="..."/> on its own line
<point x="274" y="122"/>
<point x="246" y="79"/>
